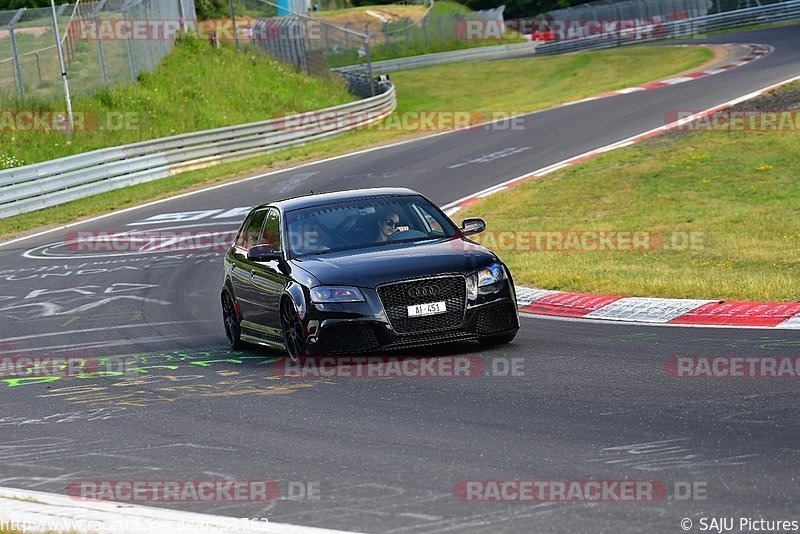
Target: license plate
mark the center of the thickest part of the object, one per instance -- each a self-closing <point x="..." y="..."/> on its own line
<point x="421" y="310"/>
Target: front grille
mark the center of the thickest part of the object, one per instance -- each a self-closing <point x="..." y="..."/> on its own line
<point x="495" y="319"/>
<point x="348" y="338"/>
<point x="396" y="299"/>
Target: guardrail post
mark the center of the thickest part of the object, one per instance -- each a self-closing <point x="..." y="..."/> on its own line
<point x="15" y="52"/>
<point x="100" y="53"/>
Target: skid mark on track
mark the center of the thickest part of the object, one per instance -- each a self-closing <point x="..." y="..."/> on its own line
<point x="664" y="454"/>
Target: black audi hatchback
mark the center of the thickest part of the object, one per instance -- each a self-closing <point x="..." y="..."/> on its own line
<point x="362" y="270"/>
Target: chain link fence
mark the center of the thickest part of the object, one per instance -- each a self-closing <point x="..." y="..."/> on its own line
<point x="104" y="43"/>
<point x="314" y="45"/>
<point x="591" y="19"/>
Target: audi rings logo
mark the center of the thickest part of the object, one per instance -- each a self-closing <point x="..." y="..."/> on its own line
<point x="423" y="291"/>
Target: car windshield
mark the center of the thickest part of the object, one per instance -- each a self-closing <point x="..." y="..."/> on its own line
<point x="365" y="223"/>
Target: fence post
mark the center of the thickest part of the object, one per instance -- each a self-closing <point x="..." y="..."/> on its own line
<point x="38" y="66"/>
<point x="100" y="52"/>
<point x="181" y="16"/>
<point x="235" y="29"/>
<point x="131" y="61"/>
<point x="65" y="82"/>
<point x="346" y="35"/>
<point x="15" y="52"/>
<point x="387" y="35"/>
<point x="147" y="42"/>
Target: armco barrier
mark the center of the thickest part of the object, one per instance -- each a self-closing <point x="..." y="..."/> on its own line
<point x="772" y="13"/>
<point x="42" y="185"/>
<point x="481" y="53"/>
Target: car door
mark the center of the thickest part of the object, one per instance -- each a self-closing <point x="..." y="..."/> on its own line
<point x="241" y="267"/>
<point x="268" y="279"/>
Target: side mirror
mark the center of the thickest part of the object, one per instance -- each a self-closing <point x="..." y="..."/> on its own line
<point x="263" y="253"/>
<point x="472" y="226"/>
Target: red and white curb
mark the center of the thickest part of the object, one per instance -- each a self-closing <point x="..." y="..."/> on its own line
<point x="637" y="309"/>
<point x="659" y="311"/>
<point x="453" y="207"/>
<point x="35" y="511"/>
<point x="756" y="51"/>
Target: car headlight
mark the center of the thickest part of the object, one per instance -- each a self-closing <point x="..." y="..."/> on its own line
<point x="491" y="275"/>
<point x="328" y="294"/>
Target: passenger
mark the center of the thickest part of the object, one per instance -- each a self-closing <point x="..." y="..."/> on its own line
<point x="387" y="225"/>
<point x="311" y="237"/>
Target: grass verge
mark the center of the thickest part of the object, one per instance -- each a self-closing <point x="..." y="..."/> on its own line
<point x="195" y="88"/>
<point x="448" y="87"/>
<point x="721" y="207"/>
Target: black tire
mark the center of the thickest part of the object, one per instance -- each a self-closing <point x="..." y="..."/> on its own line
<point x="233" y="327"/>
<point x="498" y="340"/>
<point x="292" y="328"/>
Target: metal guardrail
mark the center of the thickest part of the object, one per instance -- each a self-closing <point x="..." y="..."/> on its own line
<point x="42" y="185"/>
<point x="687" y="28"/>
<point x="481" y="53"/>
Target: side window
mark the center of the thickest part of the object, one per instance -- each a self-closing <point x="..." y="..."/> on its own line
<point x="432" y="224"/>
<point x="248" y="236"/>
<point x="272" y="231"/>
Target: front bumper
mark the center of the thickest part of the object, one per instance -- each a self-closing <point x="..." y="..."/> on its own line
<point x="364" y="326"/>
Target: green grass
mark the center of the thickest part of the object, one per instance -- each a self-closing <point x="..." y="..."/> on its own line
<point x="447" y="87"/>
<point x="195" y="88"/>
<point x="538" y="83"/>
<point x="445" y="7"/>
<point x="736" y="192"/>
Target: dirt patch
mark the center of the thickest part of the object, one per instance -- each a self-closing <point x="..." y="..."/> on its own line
<point x="37" y="31"/>
<point x="784" y="99"/>
<point x="721" y="55"/>
<point x="375" y="15"/>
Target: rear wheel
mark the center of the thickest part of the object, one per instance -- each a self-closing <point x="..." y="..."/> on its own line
<point x="233" y="328"/>
<point x="293" y="335"/>
<point x="498" y="340"/>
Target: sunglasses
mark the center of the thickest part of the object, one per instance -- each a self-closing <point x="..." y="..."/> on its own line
<point x="391" y="223"/>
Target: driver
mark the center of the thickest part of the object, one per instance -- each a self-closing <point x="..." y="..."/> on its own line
<point x="387" y="225"/>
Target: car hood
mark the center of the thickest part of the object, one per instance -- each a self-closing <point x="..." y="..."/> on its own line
<point x="370" y="267"/>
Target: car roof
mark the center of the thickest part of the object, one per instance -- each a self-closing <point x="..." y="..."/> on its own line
<point x="319" y="199"/>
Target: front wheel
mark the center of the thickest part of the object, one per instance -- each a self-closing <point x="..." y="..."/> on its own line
<point x="293" y="338"/>
<point x="497" y="340"/>
<point x="233" y="327"/>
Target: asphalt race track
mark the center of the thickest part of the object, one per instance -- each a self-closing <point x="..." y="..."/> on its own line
<point x="586" y="401"/>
